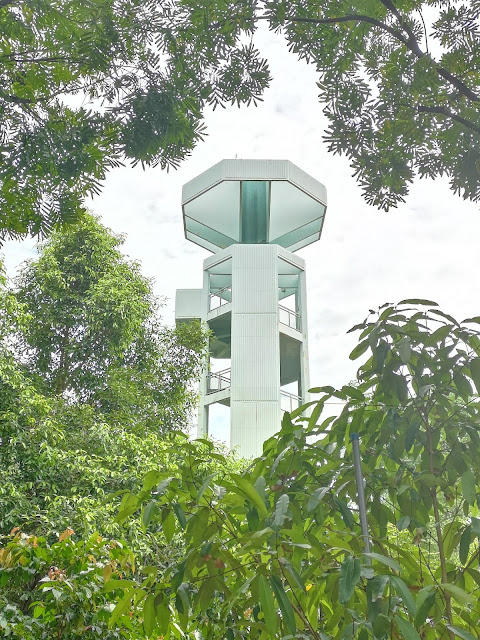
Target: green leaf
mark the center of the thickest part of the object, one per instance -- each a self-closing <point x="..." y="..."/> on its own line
<point x="475" y="524"/>
<point x="349" y="577"/>
<point x="312" y="421"/>
<point x="182" y="601"/>
<point x="268" y="605"/>
<point x="425" y="601"/>
<point x="389" y="562"/>
<point x="461" y="633"/>
<point x="122" y="607"/>
<point x="468" y="487"/>
<point x="289" y="568"/>
<point x="411" y="435"/>
<point x="316" y="497"/>
<point x="407" y="631"/>
<point x="112" y="585"/>
<point x="346" y="513"/>
<point x="148" y="513"/>
<point x="149" y="614"/>
<point x="405" y="349"/>
<point x="250" y="492"/>
<point x="284" y="604"/>
<point x="465" y="542"/>
<point x="475" y="372"/>
<point x="180" y="514"/>
<point x="403" y="523"/>
<point x="129" y="504"/>
<point x="168" y="525"/>
<point x="359" y="349"/>
<point x="380" y="625"/>
<point x="460" y="595"/>
<point x="427" y="303"/>
<point x="403" y="591"/>
<point x="281" y="509"/>
<point x="150" y="479"/>
<point x="352" y="392"/>
<point x="463" y="386"/>
<point x="160" y="490"/>
<point x="204" y="486"/>
<point x="162" y="612"/>
<point x="377" y="585"/>
<point x="260" y="486"/>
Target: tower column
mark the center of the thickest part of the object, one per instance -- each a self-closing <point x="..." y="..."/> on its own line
<point x="255" y="393"/>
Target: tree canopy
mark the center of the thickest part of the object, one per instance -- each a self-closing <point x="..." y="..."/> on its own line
<point x="277" y="552"/>
<point x="400" y="85"/>
<point x="93" y="393"/>
<point x="93" y="330"/>
<point x="85" y="87"/>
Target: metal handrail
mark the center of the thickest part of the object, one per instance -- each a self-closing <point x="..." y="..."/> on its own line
<point x="291" y="403"/>
<point x="218" y="381"/>
<point x="293" y="318"/>
<point x="222" y="300"/>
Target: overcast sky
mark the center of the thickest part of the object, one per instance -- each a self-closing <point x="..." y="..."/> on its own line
<point x="426" y="248"/>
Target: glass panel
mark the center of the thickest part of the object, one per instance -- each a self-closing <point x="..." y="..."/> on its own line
<point x="201" y="242"/>
<point x="296" y="235"/>
<point x="210" y="235"/>
<point x="218" y="208"/>
<point x="254" y="211"/>
<point x="304" y="243"/>
<point x="290" y="208"/>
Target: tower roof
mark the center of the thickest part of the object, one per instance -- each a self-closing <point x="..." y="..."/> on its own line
<point x="253" y="202"/>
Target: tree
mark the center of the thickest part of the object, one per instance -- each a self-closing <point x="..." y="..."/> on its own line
<point x="87" y="86"/>
<point x="277" y="552"/>
<point x="60" y="457"/>
<point x="94" y="333"/>
<point x="400" y="84"/>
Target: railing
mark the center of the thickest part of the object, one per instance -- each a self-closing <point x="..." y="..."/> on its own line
<point x="289" y="401"/>
<point x="218" y="381"/>
<point x="220" y="297"/>
<point x="289" y="317"/>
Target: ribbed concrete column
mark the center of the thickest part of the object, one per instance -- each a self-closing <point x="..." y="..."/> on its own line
<point x="255" y="393"/>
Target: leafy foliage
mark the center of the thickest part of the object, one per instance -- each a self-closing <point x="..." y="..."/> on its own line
<point x="278" y="552"/>
<point x="63" y="587"/>
<point x="94" y="333"/>
<point x="85" y="87"/>
<point x="400" y="84"/>
<point x="71" y="436"/>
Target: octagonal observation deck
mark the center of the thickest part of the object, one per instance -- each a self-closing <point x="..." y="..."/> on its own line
<point x="253" y="202"/>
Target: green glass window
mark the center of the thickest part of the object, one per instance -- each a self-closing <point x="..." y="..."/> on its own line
<point x="254" y="211"/>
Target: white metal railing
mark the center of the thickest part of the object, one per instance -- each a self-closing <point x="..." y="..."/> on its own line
<point x="220" y="297"/>
<point x="289" y="401"/>
<point x="218" y="381"/>
<point x="289" y="317"/>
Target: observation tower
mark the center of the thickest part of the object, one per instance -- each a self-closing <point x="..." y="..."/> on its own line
<point x="252" y="215"/>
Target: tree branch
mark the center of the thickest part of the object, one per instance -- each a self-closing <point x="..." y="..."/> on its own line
<point x="354" y="17"/>
<point x="12" y="58"/>
<point x="445" y="111"/>
<point x="410" y="42"/>
<point x="458" y="84"/>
